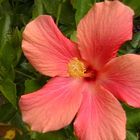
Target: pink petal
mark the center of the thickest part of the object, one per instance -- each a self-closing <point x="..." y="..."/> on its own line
<point x="100" y="117"/>
<point x="46" y="48"/>
<point x="103" y="30"/>
<point x="52" y="107"/>
<point x="121" y="76"/>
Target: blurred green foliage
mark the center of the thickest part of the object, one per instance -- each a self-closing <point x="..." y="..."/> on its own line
<point x="17" y="76"/>
<point x="135" y="5"/>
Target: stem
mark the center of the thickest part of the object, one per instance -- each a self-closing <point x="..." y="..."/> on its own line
<point x="59" y="11"/>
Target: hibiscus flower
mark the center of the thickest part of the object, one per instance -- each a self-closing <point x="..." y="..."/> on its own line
<point x="87" y="75"/>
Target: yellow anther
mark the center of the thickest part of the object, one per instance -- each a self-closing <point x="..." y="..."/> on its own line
<point x="76" y="68"/>
<point x="10" y="134"/>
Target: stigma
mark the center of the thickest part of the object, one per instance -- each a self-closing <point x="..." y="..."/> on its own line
<point x="76" y="68"/>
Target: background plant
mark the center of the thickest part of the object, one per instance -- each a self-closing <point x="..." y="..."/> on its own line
<point x="17" y="76"/>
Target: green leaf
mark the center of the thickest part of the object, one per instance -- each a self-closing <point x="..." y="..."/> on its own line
<point x="67" y="15"/>
<point x="5" y="22"/>
<point x="82" y="7"/>
<point x="73" y="36"/>
<point x="136" y="40"/>
<point x="10" y="53"/>
<point x="7" y="112"/>
<point x="8" y="89"/>
<point x="38" y="8"/>
<point x="131" y="136"/>
<point x="23" y="130"/>
<point x="6" y="72"/>
<point x="15" y="44"/>
<point x="31" y="85"/>
<point x="49" y="136"/>
<point x="1" y="1"/>
<point x="135" y="5"/>
<point x="133" y="118"/>
<point x="51" y="7"/>
<point x="60" y="9"/>
<point x="21" y="12"/>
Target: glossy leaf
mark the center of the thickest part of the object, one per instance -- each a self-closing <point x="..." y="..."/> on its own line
<point x="5" y="22"/>
<point x="8" y="89"/>
<point x="82" y="7"/>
